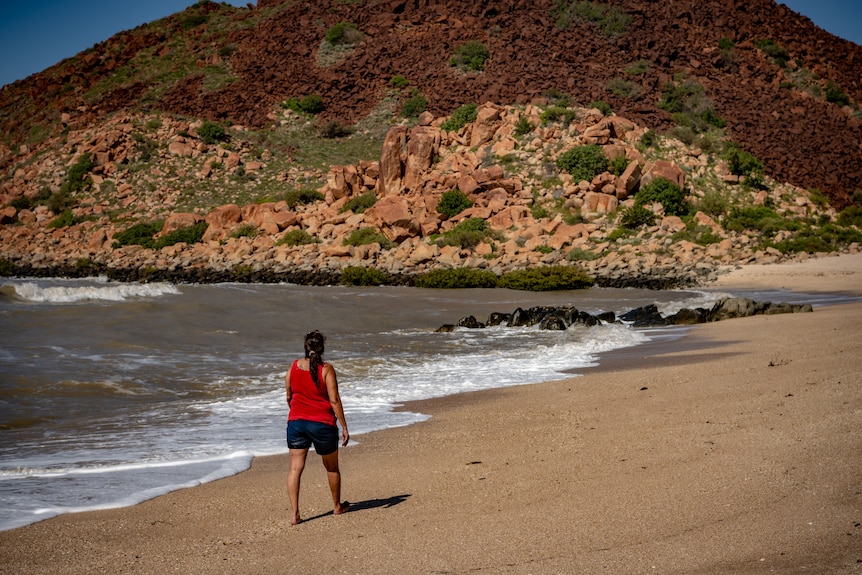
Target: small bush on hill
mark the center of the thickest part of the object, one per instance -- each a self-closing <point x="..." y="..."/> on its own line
<point x="851" y="216"/>
<point x="636" y="216"/>
<point x="467" y="235"/>
<point x="546" y="278"/>
<point x="836" y="95"/>
<point x="457" y="278"/>
<point x="211" y="133"/>
<point x="295" y="238"/>
<point x="245" y="231"/>
<point x="362" y="276"/>
<point x="140" y="234"/>
<point x="740" y="162"/>
<point x="297" y="197"/>
<point x="309" y="104"/>
<point x="603" y="107"/>
<point x="523" y="127"/>
<point x="665" y="192"/>
<point x="558" y="114"/>
<point x="64" y="220"/>
<point x="414" y="106"/>
<point x="453" y="203"/>
<point x="76" y="177"/>
<point x="638" y="68"/>
<point x="611" y="20"/>
<point x="687" y="103"/>
<point x="779" y="55"/>
<point x="399" y="82"/>
<point x="189" y="235"/>
<point x="462" y="116"/>
<point x="623" y="89"/>
<point x="358" y="204"/>
<point x="618" y="165"/>
<point x="343" y="33"/>
<point x="365" y="236"/>
<point x="759" y="218"/>
<point x="470" y="57"/>
<point x="335" y="129"/>
<point x="583" y="162"/>
<point x="581" y="255"/>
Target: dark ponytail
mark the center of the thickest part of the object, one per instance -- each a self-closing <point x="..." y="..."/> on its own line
<point x="314" y="352"/>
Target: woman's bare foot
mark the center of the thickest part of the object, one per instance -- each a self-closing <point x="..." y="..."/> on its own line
<point x="296" y="519"/>
<point x="345" y="505"/>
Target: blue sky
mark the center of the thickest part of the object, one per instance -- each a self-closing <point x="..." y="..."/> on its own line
<point x="36" y="34"/>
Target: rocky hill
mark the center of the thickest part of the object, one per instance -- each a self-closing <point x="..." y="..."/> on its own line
<point x="205" y="117"/>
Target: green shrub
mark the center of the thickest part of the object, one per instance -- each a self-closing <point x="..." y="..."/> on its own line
<point x="453" y="203"/>
<point x="343" y="33"/>
<point x="295" y="238"/>
<point x="358" y="204"/>
<point x="779" y="55"/>
<point x="309" y="104"/>
<point x="851" y="216"/>
<point x="688" y="105"/>
<point x="638" y="68"/>
<point x="457" y="278"/>
<point x="297" y="197"/>
<point x="365" y="236"/>
<point x="603" y="107"/>
<point x="623" y="89"/>
<point x="546" y="278"/>
<point x="64" y="220"/>
<point x="760" y="218"/>
<point x="618" y="165"/>
<point x="740" y="162"/>
<point x="558" y="114"/>
<point x="665" y="192"/>
<point x="558" y="98"/>
<point x="335" y="129"/>
<point x="414" y="106"/>
<point x="462" y="116"/>
<point x="189" y="235"/>
<point x="635" y="217"/>
<point x="836" y="95"/>
<point x="713" y="203"/>
<point x="470" y="57"/>
<point x="583" y="162"/>
<point x="523" y="127"/>
<point x="362" y="276"/>
<point x="399" y="82"/>
<point x="211" y="132"/>
<point x="140" y="234"/>
<point x="611" y="20"/>
<point x="649" y="139"/>
<point x="245" y="231"/>
<point x="76" y="178"/>
<point x="466" y="235"/>
<point x="581" y="255"/>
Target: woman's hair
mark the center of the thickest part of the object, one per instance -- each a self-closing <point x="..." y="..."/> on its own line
<point x="314" y="352"/>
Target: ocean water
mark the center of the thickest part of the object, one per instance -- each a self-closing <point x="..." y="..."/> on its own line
<point x="111" y="393"/>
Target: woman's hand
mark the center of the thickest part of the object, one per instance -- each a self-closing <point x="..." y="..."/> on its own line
<point x="345" y="437"/>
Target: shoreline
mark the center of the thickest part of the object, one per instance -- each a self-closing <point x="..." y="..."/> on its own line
<point x="695" y="458"/>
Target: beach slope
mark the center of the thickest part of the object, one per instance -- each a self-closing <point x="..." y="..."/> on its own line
<point x="739" y="453"/>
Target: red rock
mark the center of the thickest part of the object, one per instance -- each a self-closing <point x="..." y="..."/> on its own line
<point x="391" y="161"/>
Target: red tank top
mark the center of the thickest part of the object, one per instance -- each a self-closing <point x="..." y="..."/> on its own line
<point x="308" y="401"/>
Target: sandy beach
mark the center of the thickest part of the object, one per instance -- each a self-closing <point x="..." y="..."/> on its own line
<point x="739" y="452"/>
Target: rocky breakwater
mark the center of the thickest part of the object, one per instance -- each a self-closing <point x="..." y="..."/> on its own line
<point x="561" y="318"/>
<point x="504" y="162"/>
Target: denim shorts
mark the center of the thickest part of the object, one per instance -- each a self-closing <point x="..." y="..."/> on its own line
<point x="302" y="434"/>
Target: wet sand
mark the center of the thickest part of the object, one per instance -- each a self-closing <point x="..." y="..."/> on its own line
<point x="739" y="452"/>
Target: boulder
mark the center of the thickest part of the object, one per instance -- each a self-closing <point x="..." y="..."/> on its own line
<point x="666" y="170"/>
<point x="392" y="157"/>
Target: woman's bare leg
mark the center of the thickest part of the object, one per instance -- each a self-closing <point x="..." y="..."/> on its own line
<point x="333" y="473"/>
<point x="294" y="474"/>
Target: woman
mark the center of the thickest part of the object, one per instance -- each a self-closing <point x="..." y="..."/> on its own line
<point x="312" y="395"/>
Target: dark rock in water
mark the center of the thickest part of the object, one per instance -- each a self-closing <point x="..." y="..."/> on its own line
<point x="731" y="307"/>
<point x="587" y="319"/>
<point x="687" y="316"/>
<point x="497" y="318"/>
<point x="607" y="317"/>
<point x="553" y="322"/>
<point x="445" y="328"/>
<point x="519" y="318"/>
<point x="471" y="322"/>
<point x="646" y="316"/>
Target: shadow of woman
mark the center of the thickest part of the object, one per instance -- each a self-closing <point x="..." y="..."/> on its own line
<point x="368" y="504"/>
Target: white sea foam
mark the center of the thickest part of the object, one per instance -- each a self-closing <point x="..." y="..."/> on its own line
<point x="34" y="292"/>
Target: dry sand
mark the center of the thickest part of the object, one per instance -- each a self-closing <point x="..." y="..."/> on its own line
<point x="739" y="453"/>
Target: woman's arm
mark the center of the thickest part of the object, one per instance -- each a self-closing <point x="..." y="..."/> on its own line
<point x="331" y="381"/>
<point x="287" y="390"/>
